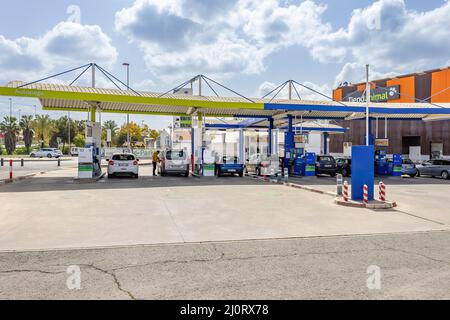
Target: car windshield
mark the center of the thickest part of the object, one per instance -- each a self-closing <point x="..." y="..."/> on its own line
<point x="269" y="158"/>
<point x="123" y="157"/>
<point x="176" y="155"/>
<point x="228" y="159"/>
<point x="326" y="159"/>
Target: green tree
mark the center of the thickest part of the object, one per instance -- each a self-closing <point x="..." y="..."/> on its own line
<point x="154" y="134"/>
<point x="11" y="130"/>
<point x="61" y="131"/>
<point x="42" y="126"/>
<point x="135" y="133"/>
<point x="26" y="124"/>
<point x="79" y="140"/>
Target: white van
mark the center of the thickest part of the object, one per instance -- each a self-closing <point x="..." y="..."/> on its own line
<point x="74" y="152"/>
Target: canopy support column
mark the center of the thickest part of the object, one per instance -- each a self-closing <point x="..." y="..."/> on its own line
<point x="270" y="140"/>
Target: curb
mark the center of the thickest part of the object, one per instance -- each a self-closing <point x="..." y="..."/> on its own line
<point x="298" y="186"/>
<point x="13" y="180"/>
<point x="375" y="205"/>
<point x="96" y="179"/>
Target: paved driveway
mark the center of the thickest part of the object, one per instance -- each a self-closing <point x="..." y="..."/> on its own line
<point x="52" y="211"/>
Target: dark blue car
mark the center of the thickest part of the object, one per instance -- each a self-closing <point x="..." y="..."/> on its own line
<point x="230" y="166"/>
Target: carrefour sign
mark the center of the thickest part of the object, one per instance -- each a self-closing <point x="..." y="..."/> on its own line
<point x="376" y="95"/>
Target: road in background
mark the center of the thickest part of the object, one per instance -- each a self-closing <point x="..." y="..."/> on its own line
<point x="32" y="166"/>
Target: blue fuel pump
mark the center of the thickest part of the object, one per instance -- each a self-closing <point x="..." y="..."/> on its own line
<point x="397" y="165"/>
<point x="310" y="170"/>
<point x="299" y="162"/>
<point x="381" y="163"/>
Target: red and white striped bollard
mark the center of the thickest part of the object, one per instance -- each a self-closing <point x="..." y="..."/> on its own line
<point x="382" y="187"/>
<point x="366" y="194"/>
<point x="345" y="192"/>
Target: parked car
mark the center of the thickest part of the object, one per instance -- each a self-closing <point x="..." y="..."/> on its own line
<point x="262" y="165"/>
<point x="434" y="168"/>
<point x="74" y="152"/>
<point x="409" y="168"/>
<point x="124" y="164"/>
<point x="344" y="166"/>
<point x="230" y="165"/>
<point x="174" y="162"/>
<point x="326" y="165"/>
<point x="46" y="153"/>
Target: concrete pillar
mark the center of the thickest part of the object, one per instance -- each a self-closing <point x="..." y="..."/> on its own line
<point x="270" y="140"/>
<point x="93" y="114"/>
<point x="241" y="146"/>
<point x="325" y="143"/>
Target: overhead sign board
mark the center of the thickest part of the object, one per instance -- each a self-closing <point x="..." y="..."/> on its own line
<point x="382" y="142"/>
<point x="376" y="95"/>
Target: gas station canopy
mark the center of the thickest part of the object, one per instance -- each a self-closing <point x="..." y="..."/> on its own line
<point x="84" y="99"/>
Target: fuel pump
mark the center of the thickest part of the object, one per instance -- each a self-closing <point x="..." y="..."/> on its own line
<point x="381" y="163"/>
<point x="93" y="141"/>
<point x="397" y="165"/>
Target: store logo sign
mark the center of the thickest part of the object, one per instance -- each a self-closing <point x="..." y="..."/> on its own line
<point x="377" y="95"/>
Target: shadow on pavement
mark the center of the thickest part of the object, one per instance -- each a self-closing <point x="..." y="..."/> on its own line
<point x="42" y="183"/>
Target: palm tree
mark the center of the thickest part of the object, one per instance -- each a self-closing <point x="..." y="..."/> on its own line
<point x="110" y="125"/>
<point x="11" y="129"/>
<point x="42" y="128"/>
<point x="26" y="124"/>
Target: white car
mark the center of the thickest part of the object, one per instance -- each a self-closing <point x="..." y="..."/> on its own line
<point x="123" y="164"/>
<point x="46" y="153"/>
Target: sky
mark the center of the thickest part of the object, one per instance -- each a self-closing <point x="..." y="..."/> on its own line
<point x="250" y="46"/>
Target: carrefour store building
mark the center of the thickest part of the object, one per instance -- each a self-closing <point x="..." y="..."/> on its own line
<point x="418" y="139"/>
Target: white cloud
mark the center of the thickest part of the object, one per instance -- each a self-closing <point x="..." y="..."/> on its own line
<point x="391" y="38"/>
<point x="181" y="38"/>
<point x="355" y="72"/>
<point x="67" y="45"/>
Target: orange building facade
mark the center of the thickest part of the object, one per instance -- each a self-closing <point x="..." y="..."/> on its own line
<point x="405" y="136"/>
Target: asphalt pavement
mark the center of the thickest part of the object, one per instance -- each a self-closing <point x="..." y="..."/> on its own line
<point x="396" y="266"/>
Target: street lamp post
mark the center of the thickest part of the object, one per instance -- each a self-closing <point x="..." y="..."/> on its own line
<point x="367" y="106"/>
<point x="10" y="112"/>
<point x="127" y="65"/>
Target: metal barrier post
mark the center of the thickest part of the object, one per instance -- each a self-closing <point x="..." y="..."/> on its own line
<point x="339" y="183"/>
<point x="286" y="175"/>
<point x="2" y="162"/>
<point x="22" y="162"/>
<point x="10" y="169"/>
<point x="59" y="162"/>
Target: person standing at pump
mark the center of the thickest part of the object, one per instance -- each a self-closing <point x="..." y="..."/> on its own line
<point x="155" y="160"/>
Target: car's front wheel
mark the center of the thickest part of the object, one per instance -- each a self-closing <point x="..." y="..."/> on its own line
<point x="445" y="175"/>
<point x="32" y="155"/>
<point x="49" y="156"/>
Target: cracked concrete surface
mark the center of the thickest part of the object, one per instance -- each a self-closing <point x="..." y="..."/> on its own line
<point x="413" y="266"/>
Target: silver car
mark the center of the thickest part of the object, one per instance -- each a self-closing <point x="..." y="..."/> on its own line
<point x="435" y="168"/>
<point x="174" y="162"/>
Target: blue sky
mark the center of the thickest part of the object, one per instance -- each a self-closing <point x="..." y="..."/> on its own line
<point x="248" y="45"/>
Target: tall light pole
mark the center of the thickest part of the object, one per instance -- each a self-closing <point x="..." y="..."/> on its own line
<point x="127" y="65"/>
<point x="35" y="113"/>
<point x="367" y="106"/>
<point x="10" y="112"/>
<point x="68" y="133"/>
